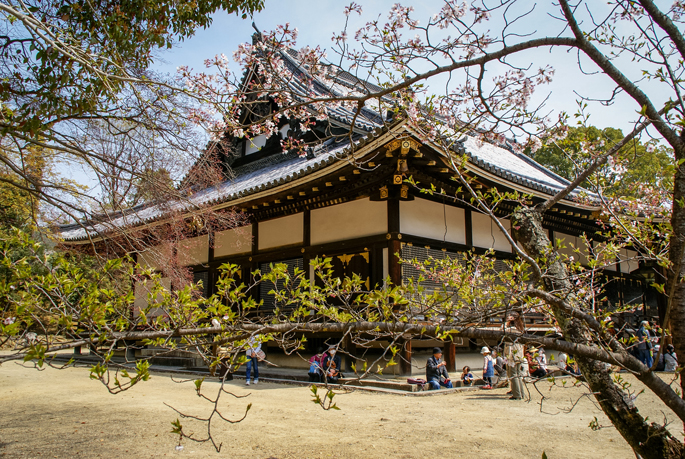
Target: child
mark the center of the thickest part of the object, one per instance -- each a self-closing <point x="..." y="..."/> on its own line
<point x="466" y="376"/>
<point x="333" y="373"/>
<point x="488" y="367"/>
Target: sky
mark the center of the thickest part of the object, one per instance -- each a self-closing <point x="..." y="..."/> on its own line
<point x="318" y="20"/>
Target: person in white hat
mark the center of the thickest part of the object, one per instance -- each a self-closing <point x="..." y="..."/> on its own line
<point x="488" y="367"/>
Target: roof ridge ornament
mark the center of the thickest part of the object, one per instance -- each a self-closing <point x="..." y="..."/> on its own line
<point x="256" y="37"/>
<point x="404" y="145"/>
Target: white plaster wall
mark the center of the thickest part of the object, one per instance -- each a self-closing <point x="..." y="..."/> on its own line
<point x="233" y="241"/>
<point x="428" y="219"/>
<point x="484" y="230"/>
<point x="584" y="250"/>
<point x="599" y="247"/>
<point x="141" y="292"/>
<point x="193" y="251"/>
<point x="281" y="231"/>
<point x="255" y="144"/>
<point x="156" y="258"/>
<point x="349" y="220"/>
<point x="571" y="243"/>
<point x="629" y="261"/>
<point x="564" y="243"/>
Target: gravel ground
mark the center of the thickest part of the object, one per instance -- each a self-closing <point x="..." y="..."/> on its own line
<point x="64" y="414"/>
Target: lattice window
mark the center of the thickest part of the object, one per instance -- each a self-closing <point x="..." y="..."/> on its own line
<point x="267" y="286"/>
<point x="204" y="277"/>
<point x="422" y="254"/>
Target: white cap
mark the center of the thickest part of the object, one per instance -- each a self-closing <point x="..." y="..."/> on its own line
<point x="485" y="350"/>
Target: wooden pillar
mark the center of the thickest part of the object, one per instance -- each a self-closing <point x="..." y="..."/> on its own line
<point x="405" y="356"/>
<point x="215" y="353"/>
<point x="130" y="351"/>
<point x="350" y="351"/>
<point x="468" y="227"/>
<point x="450" y="356"/>
<point x="394" y="266"/>
<point x="255" y="237"/>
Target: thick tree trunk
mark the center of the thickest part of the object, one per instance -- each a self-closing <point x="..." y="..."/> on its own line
<point x="648" y="440"/>
<point x="674" y="287"/>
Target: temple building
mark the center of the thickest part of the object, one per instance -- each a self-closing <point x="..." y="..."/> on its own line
<point x="361" y="212"/>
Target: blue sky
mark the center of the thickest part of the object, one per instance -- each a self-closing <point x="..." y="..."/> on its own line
<point x="317" y="21"/>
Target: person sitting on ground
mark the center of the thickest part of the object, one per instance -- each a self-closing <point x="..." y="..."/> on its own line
<point x="542" y="360"/>
<point x="670" y="359"/>
<point x="488" y="367"/>
<point x="466" y="376"/>
<point x="500" y="365"/>
<point x="533" y="366"/>
<point x="436" y="373"/>
<point x="572" y="366"/>
<point x="333" y="374"/>
<point x="660" y="364"/>
<point x="332" y="357"/>
<point x="316" y="365"/>
<point x="561" y="361"/>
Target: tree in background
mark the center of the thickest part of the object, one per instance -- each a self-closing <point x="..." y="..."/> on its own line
<point x="635" y="165"/>
<point x="71" y="71"/>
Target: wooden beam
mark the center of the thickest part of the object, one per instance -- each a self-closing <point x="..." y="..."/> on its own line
<point x="394" y="266"/>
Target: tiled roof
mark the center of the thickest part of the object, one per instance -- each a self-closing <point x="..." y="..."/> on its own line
<point x="341" y="85"/>
<point x="247" y="182"/>
<point x="514" y="167"/>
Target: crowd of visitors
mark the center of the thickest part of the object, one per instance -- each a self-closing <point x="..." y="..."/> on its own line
<point x="516" y="363"/>
<point x="645" y="348"/>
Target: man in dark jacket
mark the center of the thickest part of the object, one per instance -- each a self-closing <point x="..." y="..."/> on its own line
<point x="436" y="373"/>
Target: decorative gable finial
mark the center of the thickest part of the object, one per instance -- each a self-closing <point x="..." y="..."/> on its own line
<point x="257" y="36"/>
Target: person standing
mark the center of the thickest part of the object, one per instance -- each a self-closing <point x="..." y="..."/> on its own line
<point x="644" y="344"/>
<point x="517" y="362"/>
<point x="254" y="348"/>
<point x="488" y="367"/>
<point x="436" y="373"/>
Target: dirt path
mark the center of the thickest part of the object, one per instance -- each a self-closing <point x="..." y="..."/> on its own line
<point x="64" y="414"/>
